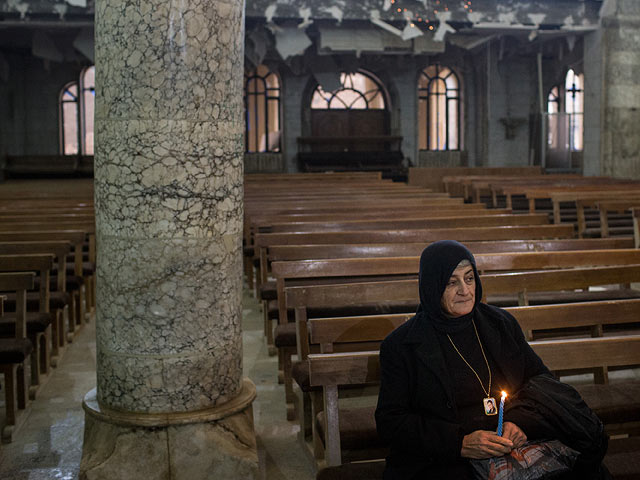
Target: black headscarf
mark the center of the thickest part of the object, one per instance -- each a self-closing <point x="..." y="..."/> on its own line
<point x="437" y="263"/>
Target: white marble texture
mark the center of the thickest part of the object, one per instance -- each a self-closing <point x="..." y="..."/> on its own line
<point x="168" y="188"/>
<point x="169" y="60"/>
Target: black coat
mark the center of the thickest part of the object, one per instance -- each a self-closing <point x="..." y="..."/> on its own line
<point x="416" y="414"/>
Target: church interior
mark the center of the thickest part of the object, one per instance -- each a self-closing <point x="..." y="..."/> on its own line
<point x="212" y="214"/>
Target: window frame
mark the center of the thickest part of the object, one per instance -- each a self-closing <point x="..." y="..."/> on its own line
<point x="451" y="95"/>
<point x="82" y="128"/>
<point x="347" y="82"/>
<point x="267" y="95"/>
<point x="62" y="116"/>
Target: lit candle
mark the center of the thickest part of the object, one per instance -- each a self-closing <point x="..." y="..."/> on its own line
<point x="500" y="412"/>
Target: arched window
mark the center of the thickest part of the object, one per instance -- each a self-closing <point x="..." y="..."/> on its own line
<point x="439" y="109"/>
<point x="565" y="109"/>
<point x="69" y="140"/>
<point x="88" y="84"/>
<point x="574" y="106"/>
<point x="262" y="108"/>
<point x="76" y="101"/>
<point x="553" y="108"/>
<point x="359" y="91"/>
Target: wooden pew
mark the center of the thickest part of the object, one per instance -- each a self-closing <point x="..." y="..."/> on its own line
<point x="605" y="207"/>
<point x="550" y="318"/>
<point x="526" y="283"/>
<point x="402" y="295"/>
<point x="474" y="185"/>
<point x="588" y="185"/>
<point x="401" y="224"/>
<point x="304" y="252"/>
<point x="65" y="316"/>
<point x="311" y="272"/>
<point x="14" y="353"/>
<point x="260" y="221"/>
<point x="265" y="240"/>
<point x="367" y="250"/>
<point x="528" y="232"/>
<point x="329" y="335"/>
<point x="332" y="370"/>
<point x="77" y="238"/>
<point x="295" y="206"/>
<point x="311" y="176"/>
<point x="431" y="177"/>
<point x="39" y="323"/>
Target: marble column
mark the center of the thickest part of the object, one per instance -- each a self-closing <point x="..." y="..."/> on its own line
<point x="621" y="91"/>
<point x="170" y="401"/>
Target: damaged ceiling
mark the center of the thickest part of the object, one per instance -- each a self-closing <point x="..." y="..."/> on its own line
<point x="287" y="28"/>
<point x="549" y="13"/>
<point x="415" y="26"/>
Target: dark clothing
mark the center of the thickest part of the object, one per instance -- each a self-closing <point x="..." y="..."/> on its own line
<point x="417" y="414"/>
<point x="547" y="400"/>
<point x="430" y="398"/>
<point x="423" y="411"/>
<point x="468" y="394"/>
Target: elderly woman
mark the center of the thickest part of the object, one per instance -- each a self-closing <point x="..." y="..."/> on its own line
<point x="443" y="370"/>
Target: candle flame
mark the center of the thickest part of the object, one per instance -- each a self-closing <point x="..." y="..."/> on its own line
<point x="504" y="394"/>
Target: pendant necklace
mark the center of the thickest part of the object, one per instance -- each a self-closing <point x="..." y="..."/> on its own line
<point x="489" y="403"/>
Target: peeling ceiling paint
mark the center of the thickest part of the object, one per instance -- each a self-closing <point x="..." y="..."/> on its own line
<point x="336" y="12"/>
<point x="291" y="42"/>
<point x="537" y="18"/>
<point x="305" y="14"/>
<point x="511" y="11"/>
<point x="444" y="27"/>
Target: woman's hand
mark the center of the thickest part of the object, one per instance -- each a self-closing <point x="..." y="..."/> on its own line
<point x="514" y="433"/>
<point x="485" y="444"/>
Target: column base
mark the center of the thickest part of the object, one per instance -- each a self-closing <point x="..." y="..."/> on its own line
<point x="215" y="443"/>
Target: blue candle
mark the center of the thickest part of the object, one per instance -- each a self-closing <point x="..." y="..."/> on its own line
<point x="500" y="412"/>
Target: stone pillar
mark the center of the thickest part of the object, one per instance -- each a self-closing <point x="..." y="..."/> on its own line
<point x="621" y="91"/>
<point x="170" y="401"/>
<point x="593" y="101"/>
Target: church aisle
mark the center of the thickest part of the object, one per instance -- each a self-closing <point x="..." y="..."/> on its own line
<point x="281" y="456"/>
<point x="49" y="444"/>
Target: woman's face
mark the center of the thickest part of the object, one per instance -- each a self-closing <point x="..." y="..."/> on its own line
<point x="460" y="293"/>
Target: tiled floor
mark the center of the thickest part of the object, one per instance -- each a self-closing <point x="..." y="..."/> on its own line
<point x="49" y="444"/>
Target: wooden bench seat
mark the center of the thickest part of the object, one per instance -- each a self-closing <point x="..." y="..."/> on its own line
<point x="14" y="353"/>
<point x="77" y="238"/>
<point x="432" y="177"/>
<point x="335" y="369"/>
<point x="40" y="320"/>
<point x="615" y="405"/>
<point x="62" y="283"/>
<point x="401" y="224"/>
<point x="262" y="222"/>
<point x="527" y="232"/>
<point x="400" y="296"/>
<point x="389" y="268"/>
<point x="302" y="298"/>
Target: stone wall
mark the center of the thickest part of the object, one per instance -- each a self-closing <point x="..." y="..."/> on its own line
<point x="29" y="114"/>
<point x="620" y="134"/>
